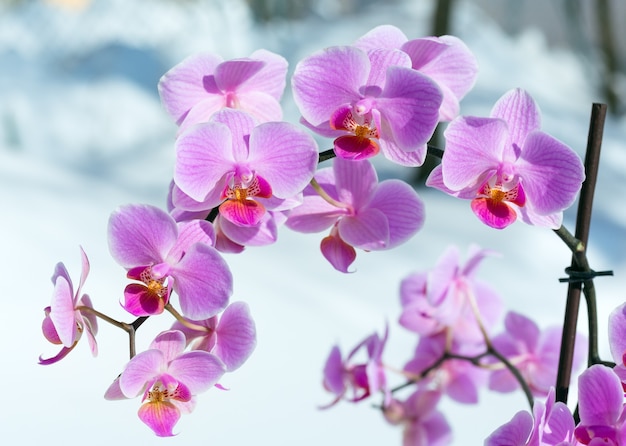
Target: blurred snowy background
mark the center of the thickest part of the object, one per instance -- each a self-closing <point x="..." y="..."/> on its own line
<point x="82" y="131"/>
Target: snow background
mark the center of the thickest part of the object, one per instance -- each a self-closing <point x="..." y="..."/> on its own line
<point x="82" y="131"/>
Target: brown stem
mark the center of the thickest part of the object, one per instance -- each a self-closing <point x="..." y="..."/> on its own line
<point x="583" y="220"/>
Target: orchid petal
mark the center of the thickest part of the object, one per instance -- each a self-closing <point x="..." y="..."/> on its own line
<point x="403" y="208"/>
<point x="242" y="212"/>
<point x="284" y="155"/>
<point x="409" y="105"/>
<point x="380" y="60"/>
<point x="62" y="312"/>
<point x="271" y="79"/>
<point x="190" y="232"/>
<point x="260" y="105"/>
<point x="48" y="329"/>
<point x="140" y="300"/>
<point x="140" y="235"/>
<point x="203" y="282"/>
<point x="83" y="273"/>
<point x="383" y="36"/>
<point x="114" y="392"/>
<point x="203" y="156"/>
<point x="496" y="214"/>
<point x="355" y="182"/>
<point x="513" y="433"/>
<point x="600" y="396"/>
<point x="473" y="146"/>
<point x="181" y="202"/>
<point x="199" y="370"/>
<point x="232" y="73"/>
<point x="337" y="252"/>
<point x="355" y="148"/>
<point x="519" y="110"/>
<point x="171" y="343"/>
<point x="552" y="173"/>
<point x="184" y="85"/>
<point x="236" y="336"/>
<point x="202" y="112"/>
<point x="314" y="215"/>
<point x="142" y="369"/>
<point x="369" y="230"/>
<point x="333" y="372"/>
<point x="522" y="329"/>
<point x="160" y="416"/>
<point x="394" y="153"/>
<point x="337" y="72"/>
<point x="240" y="125"/>
<point x="264" y="233"/>
<point x="448" y="62"/>
<point x="62" y="354"/>
<point x="617" y="333"/>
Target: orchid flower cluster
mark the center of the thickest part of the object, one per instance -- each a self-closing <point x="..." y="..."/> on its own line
<point x="241" y="172"/>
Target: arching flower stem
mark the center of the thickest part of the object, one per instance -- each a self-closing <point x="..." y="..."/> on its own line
<point x="496" y="354"/>
<point x="322" y="193"/>
<point x="184" y="321"/>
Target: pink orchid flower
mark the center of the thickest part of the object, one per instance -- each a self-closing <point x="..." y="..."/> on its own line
<point x="424" y="425"/>
<point x="445" y="59"/>
<point x="164" y="257"/>
<point x="65" y="321"/>
<point x="508" y="167"/>
<point x="362" y="379"/>
<point x="551" y="424"/>
<point x="231" y="237"/>
<point x="231" y="336"/>
<point x="535" y="353"/>
<point x="440" y="299"/>
<point x="361" y="212"/>
<point x="232" y="163"/>
<point x="370" y="101"/>
<point x="203" y="84"/>
<point x="168" y="378"/>
<point x="601" y="408"/>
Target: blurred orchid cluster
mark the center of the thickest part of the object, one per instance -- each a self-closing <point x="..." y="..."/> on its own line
<point x="241" y="172"/>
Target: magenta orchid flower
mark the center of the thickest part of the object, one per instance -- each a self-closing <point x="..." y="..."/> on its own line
<point x="361" y="379"/>
<point x="361" y="212"/>
<point x="231" y="237"/>
<point x="445" y="59"/>
<point x="232" y="163"/>
<point x="424" y="425"/>
<point x="203" y="84"/>
<point x="168" y="378"/>
<point x="164" y="257"/>
<point x="441" y="298"/>
<point x="370" y="101"/>
<point x="66" y="319"/>
<point x="457" y="378"/>
<point x="508" y="167"/>
<point x="534" y="353"/>
<point x="601" y="408"/>
<point x="231" y="336"/>
<point x="551" y="424"/>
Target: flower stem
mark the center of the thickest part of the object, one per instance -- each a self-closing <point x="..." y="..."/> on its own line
<point x="184" y="321"/>
<point x="322" y="193"/>
<point x="579" y="263"/>
<point x="128" y="328"/>
<point x="495" y="353"/>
